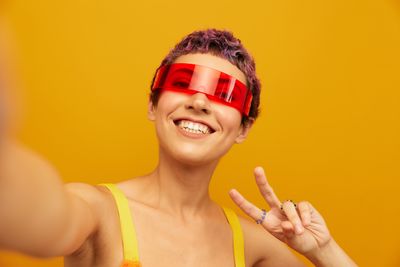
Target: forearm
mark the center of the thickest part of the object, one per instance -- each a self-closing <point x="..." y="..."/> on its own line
<point x="331" y="255"/>
<point x="32" y="200"/>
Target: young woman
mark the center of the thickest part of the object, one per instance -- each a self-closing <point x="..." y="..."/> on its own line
<point x="204" y="99"/>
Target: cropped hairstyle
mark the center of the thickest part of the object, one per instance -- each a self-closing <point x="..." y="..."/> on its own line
<point x="223" y="44"/>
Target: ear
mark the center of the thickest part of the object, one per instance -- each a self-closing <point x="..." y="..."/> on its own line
<point x="244" y="131"/>
<point x="151" y="111"/>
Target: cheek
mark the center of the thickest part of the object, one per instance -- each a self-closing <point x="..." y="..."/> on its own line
<point x="229" y="117"/>
<point x="165" y="99"/>
<point x="168" y="101"/>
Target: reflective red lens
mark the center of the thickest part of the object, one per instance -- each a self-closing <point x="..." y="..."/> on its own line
<point x="192" y="78"/>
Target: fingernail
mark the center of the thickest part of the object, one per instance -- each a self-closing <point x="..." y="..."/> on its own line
<point x="298" y="228"/>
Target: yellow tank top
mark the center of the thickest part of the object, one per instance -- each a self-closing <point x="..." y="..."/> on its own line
<point x="129" y="240"/>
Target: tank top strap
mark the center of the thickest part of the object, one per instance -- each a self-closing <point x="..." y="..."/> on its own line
<point x="238" y="241"/>
<point x="129" y="239"/>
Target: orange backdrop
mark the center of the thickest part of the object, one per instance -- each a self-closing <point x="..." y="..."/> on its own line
<point x="330" y="124"/>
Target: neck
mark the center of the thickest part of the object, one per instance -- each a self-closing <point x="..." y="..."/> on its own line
<point x="181" y="189"/>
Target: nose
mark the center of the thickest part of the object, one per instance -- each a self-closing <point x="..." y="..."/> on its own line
<point x="199" y="102"/>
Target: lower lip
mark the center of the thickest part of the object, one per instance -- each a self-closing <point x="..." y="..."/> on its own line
<point x="191" y="135"/>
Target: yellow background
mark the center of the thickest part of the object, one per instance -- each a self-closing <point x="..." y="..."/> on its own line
<point x="330" y="124"/>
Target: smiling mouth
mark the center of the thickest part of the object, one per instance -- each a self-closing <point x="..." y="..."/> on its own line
<point x="194" y="127"/>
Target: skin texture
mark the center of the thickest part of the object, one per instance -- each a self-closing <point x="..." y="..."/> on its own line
<point x="175" y="219"/>
<point x="194" y="231"/>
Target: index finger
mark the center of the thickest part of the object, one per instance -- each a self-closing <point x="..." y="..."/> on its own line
<point x="265" y="188"/>
<point x="245" y="205"/>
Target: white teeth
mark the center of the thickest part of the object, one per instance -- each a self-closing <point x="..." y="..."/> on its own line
<point x="194" y="127"/>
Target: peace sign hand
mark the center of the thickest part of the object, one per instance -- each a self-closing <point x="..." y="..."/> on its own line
<point x="301" y="227"/>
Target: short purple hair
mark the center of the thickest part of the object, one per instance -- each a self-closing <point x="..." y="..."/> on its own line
<point x="220" y="43"/>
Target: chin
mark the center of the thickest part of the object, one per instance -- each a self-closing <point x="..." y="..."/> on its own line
<point x="191" y="156"/>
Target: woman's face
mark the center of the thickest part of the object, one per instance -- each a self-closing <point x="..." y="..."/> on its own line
<point x="193" y="129"/>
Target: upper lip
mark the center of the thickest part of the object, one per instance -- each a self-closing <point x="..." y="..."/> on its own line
<point x="195" y="120"/>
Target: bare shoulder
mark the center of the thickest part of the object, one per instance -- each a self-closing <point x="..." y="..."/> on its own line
<point x="103" y="244"/>
<point x="98" y="198"/>
<point x="93" y="195"/>
<point x="262" y="249"/>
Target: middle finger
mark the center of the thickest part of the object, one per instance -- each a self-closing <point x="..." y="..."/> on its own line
<point x="265" y="188"/>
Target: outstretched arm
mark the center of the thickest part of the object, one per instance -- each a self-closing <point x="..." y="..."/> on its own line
<point x="38" y="215"/>
<point x="300" y="226"/>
